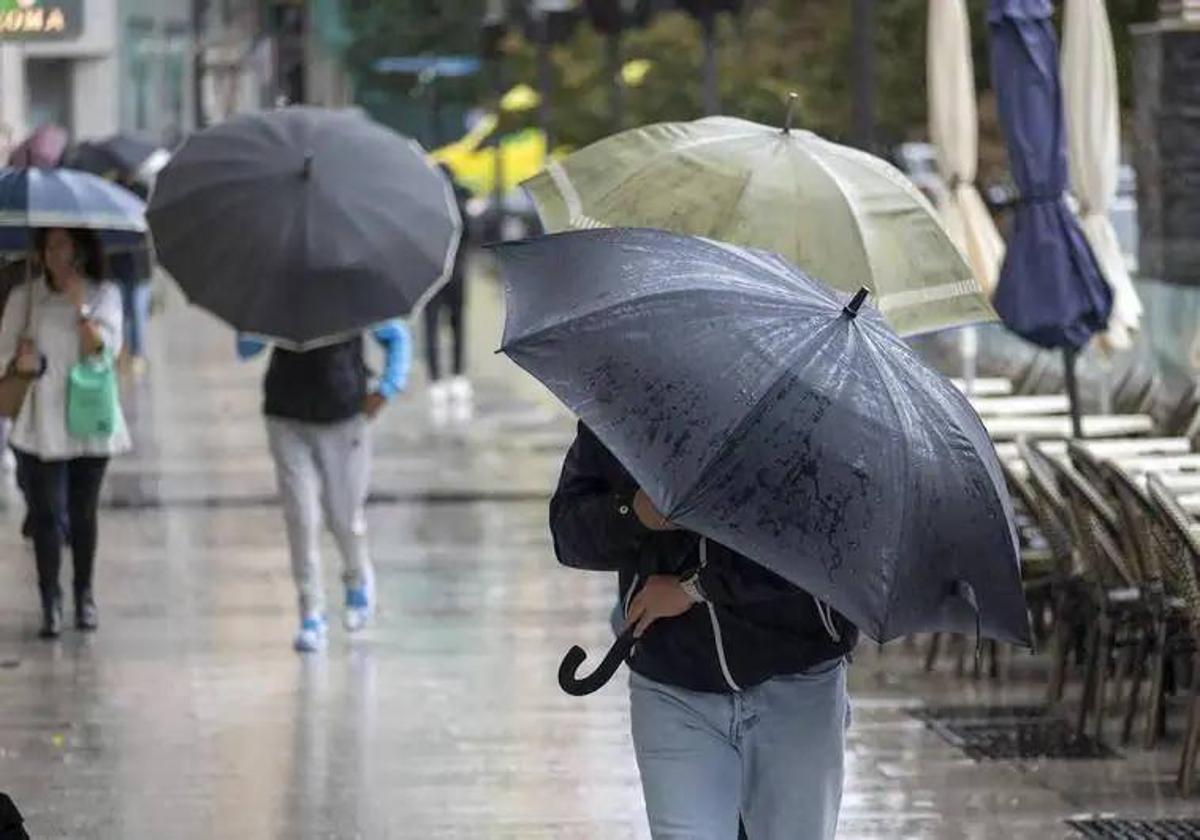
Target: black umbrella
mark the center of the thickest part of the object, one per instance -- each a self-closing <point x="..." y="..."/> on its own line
<point x="119" y="158"/>
<point x="757" y="407"/>
<point x="303" y="225"/>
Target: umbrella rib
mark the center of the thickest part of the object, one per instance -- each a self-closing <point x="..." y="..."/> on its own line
<point x="889" y="391"/>
<point x="858" y="232"/>
<point x="515" y="343"/>
<point x="646" y="163"/>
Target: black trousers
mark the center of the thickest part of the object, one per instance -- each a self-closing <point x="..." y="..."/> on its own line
<point x="48" y="486"/>
<point x="448" y="303"/>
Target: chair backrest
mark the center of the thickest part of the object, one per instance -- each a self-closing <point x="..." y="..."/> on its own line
<point x="1183" y="554"/>
<point x="1097" y="532"/>
<point x="1027" y="500"/>
<point x="1185" y="413"/>
<point x="1049" y="507"/>
<point x="1138" y="524"/>
<point x="1191" y="431"/>
<point x="1036" y="377"/>
<point x="1128" y="393"/>
<point x="1088" y="466"/>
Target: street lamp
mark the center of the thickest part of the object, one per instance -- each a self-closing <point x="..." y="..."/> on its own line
<point x="706" y="12"/>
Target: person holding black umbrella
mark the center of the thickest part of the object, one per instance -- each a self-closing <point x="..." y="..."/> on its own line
<point x="318" y="405"/>
<point x="738" y="692"/>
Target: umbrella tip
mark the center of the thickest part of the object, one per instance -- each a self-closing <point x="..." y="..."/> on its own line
<point x="793" y="99"/>
<point x="851" y="308"/>
<point x="306" y="173"/>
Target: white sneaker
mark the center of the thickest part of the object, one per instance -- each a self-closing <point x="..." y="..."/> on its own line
<point x="462" y="397"/>
<point x="359" y="608"/>
<point x="313" y="635"/>
<point x="439" y="401"/>
<point x="461" y="390"/>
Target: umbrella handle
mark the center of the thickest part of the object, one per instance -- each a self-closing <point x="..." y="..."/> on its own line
<point x="582" y="686"/>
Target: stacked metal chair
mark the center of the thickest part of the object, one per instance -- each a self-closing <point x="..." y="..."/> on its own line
<point x="1070" y="605"/>
<point x="1112" y="586"/>
<point x="1169" y="587"/>
<point x="1182" y="559"/>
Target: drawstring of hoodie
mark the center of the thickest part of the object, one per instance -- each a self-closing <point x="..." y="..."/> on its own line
<point x="827" y="620"/>
<point x="822" y="610"/>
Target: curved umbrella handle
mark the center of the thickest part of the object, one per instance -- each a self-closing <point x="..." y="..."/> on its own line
<point x="581" y="686"/>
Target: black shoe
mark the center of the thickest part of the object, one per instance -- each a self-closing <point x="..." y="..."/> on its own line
<point x="86" y="616"/>
<point x="51" y="620"/>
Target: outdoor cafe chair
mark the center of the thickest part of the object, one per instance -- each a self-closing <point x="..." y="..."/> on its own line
<point x="1185" y="544"/>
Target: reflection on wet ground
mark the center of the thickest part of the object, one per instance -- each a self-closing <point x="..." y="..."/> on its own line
<point x="188" y="715"/>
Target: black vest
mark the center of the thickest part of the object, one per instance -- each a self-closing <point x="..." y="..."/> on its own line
<point x="325" y="385"/>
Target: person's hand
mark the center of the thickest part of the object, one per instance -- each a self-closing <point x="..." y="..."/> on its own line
<point x="29" y="360"/>
<point x="648" y="514"/>
<point x="373" y="403"/>
<point x="661" y="597"/>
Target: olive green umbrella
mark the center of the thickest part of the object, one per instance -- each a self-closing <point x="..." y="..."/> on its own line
<point x="839" y="214"/>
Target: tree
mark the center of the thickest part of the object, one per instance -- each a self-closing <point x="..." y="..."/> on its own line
<point x="384" y="28"/>
<point x="771" y="48"/>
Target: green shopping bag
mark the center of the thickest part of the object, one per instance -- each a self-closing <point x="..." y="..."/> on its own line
<point x="92" y="398"/>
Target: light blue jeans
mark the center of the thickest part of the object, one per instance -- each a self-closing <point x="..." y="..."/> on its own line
<point x="773" y="754"/>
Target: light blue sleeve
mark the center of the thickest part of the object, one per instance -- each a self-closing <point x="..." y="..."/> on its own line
<point x="394" y="338"/>
<point x="248" y="348"/>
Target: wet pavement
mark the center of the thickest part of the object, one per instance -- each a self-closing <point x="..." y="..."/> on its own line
<point x="188" y="715"/>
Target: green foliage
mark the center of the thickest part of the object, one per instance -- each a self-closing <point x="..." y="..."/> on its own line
<point x="773" y="47"/>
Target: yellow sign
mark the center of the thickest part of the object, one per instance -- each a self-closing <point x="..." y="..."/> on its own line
<point x="40" y="19"/>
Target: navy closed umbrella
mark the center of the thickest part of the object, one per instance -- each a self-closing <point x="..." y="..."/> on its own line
<point x="1051" y="291"/>
<point x="754" y="405"/>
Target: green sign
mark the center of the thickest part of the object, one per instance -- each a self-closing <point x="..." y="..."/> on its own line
<point x="29" y="20"/>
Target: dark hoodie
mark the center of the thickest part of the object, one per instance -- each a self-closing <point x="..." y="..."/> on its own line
<point x="755" y="624"/>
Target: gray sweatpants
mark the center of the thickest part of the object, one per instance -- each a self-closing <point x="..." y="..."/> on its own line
<point x="323" y="468"/>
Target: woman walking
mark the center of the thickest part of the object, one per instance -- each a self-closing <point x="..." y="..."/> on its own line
<point x="49" y="325"/>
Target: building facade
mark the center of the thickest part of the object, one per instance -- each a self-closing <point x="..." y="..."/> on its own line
<point x="96" y="67"/>
<point x="155" y="69"/>
<point x="262" y="53"/>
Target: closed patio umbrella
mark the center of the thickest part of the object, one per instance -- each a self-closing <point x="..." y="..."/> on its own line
<point x="1051" y="291"/>
<point x="954" y="129"/>
<point x="1089" y="72"/>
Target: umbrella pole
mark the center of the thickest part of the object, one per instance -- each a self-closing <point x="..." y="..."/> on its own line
<point x="969" y="350"/>
<point x="1070" y="355"/>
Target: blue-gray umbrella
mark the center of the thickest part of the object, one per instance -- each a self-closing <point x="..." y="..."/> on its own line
<point x="1051" y="291"/>
<point x="756" y="407"/>
<point x="304" y="224"/>
<point x="43" y="198"/>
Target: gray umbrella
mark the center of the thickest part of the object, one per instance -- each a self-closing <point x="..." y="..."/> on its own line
<point x="304" y="224"/>
<point x="756" y="407"/>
